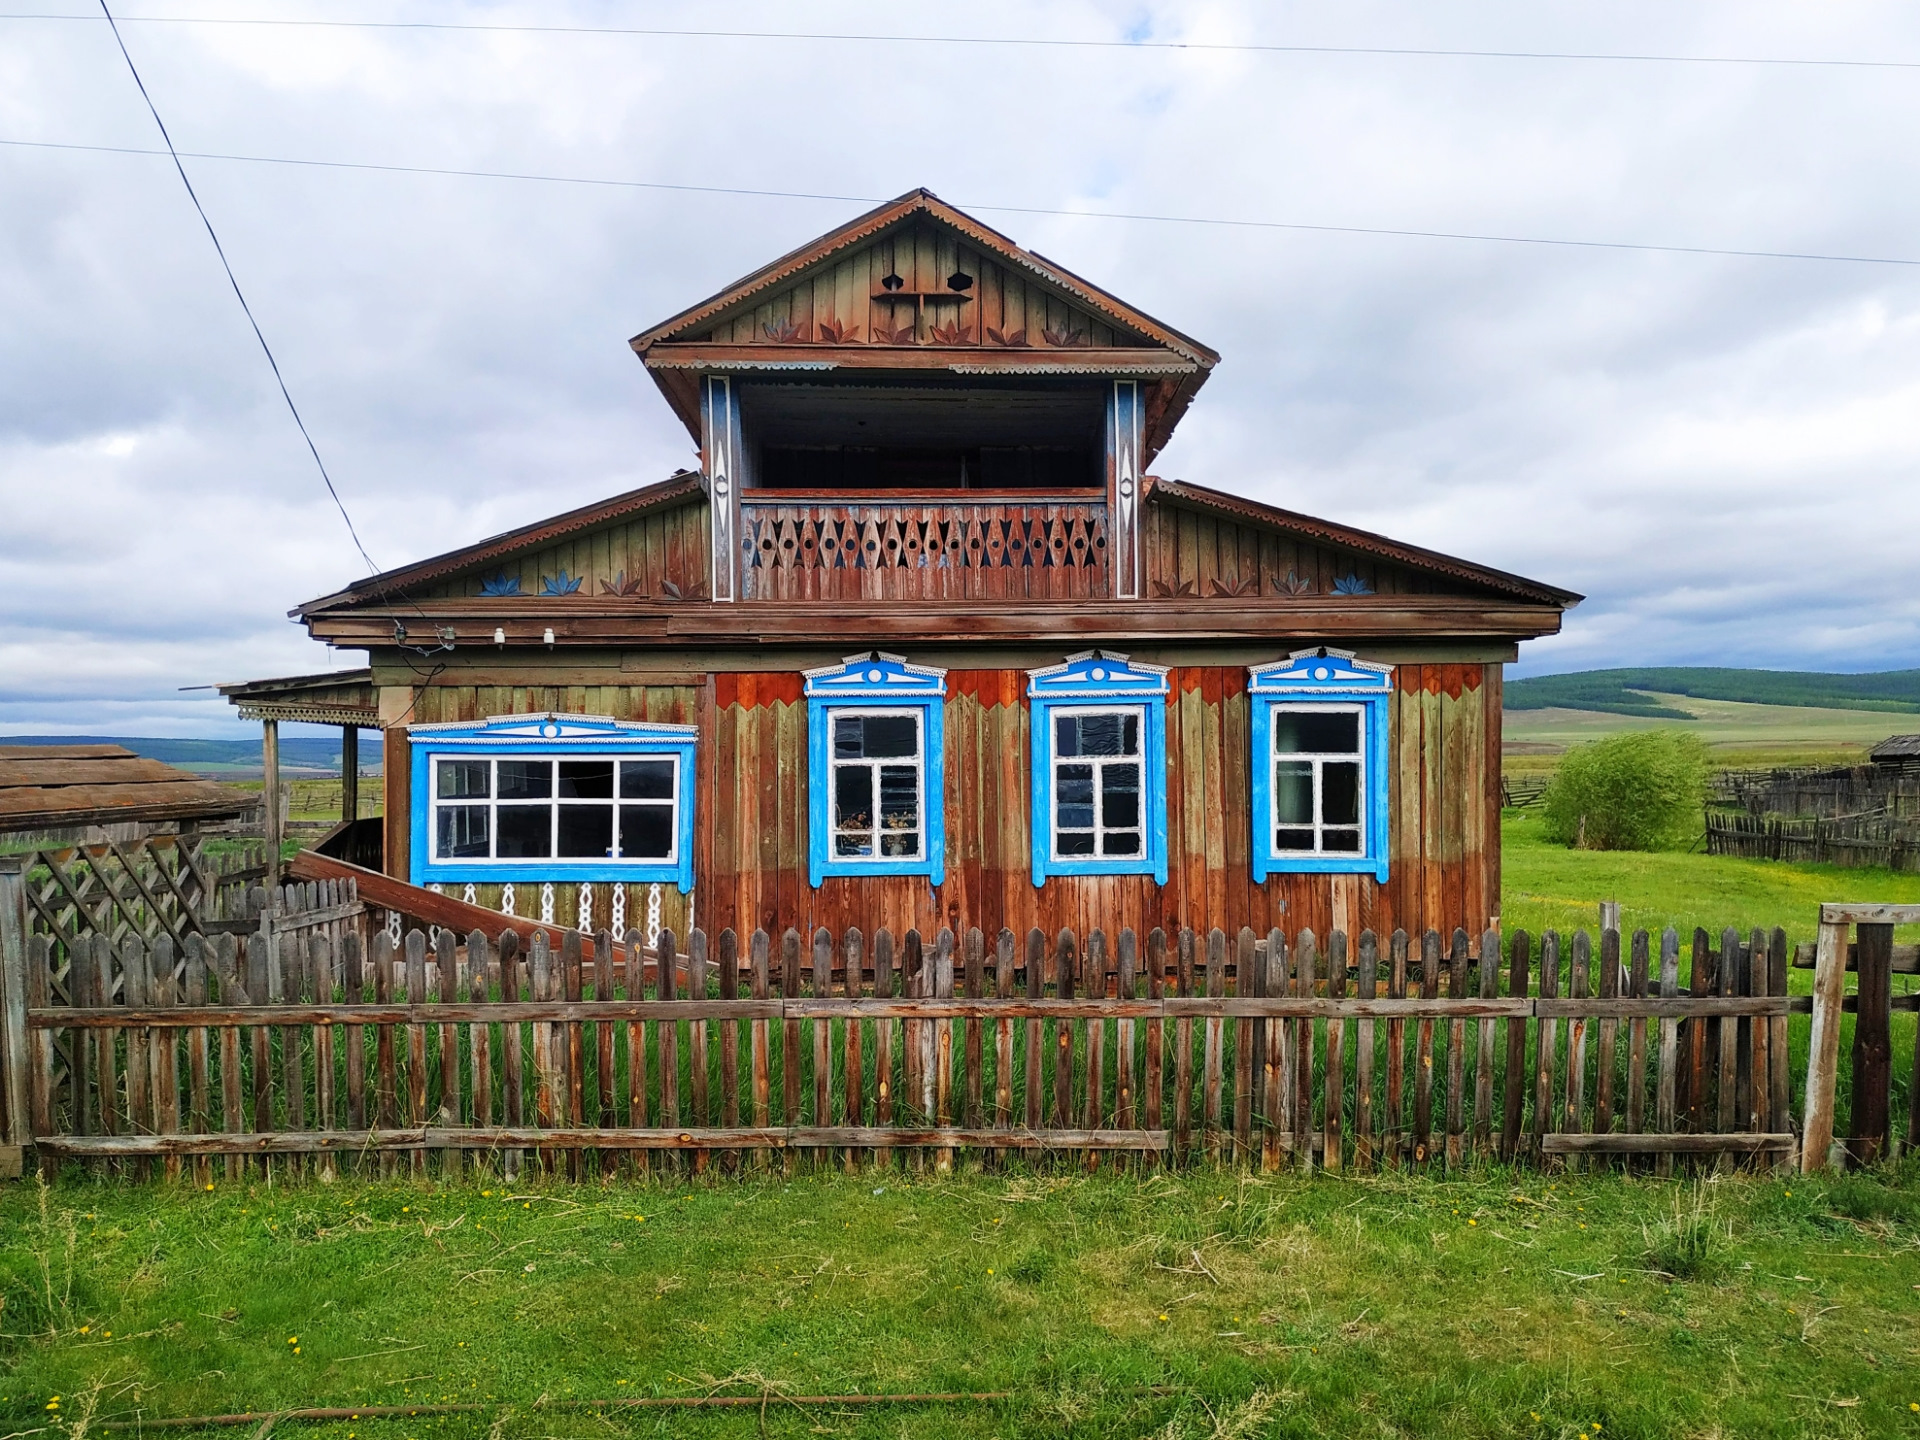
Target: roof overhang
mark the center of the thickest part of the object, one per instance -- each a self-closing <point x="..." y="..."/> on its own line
<point x="340" y="697"/>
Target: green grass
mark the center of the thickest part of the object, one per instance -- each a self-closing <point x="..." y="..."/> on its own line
<point x="1547" y="885"/>
<point x="1198" y="1304"/>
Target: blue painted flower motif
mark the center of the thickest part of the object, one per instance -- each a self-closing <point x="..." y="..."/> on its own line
<point x="1351" y="584"/>
<point x="500" y="584"/>
<point x="561" y="584"/>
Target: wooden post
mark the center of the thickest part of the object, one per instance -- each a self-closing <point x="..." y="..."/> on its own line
<point x="13" y="1013"/>
<point x="270" y="795"/>
<point x="1823" y="1048"/>
<point x="349" y="773"/>
<point x="1872" y="1045"/>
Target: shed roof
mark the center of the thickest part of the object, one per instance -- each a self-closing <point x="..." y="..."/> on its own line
<point x="1896" y="747"/>
<point x="338" y="697"/>
<point x="44" y="787"/>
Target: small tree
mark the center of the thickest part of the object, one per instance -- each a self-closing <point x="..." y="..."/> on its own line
<point x="1637" y="791"/>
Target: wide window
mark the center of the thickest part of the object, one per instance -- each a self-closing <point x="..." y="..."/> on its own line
<point x="589" y="808"/>
<point x="1319" y="764"/>
<point x="552" y="797"/>
<point x="1099" y="768"/>
<point x="874" y="777"/>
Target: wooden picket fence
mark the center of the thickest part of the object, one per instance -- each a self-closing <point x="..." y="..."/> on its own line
<point x="316" y="1050"/>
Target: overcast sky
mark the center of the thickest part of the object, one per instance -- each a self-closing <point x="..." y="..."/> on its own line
<point x="1718" y="451"/>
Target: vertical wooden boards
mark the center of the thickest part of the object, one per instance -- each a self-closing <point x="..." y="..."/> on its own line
<point x="1333" y="1099"/>
<point x="761" y="1063"/>
<point x="1609" y="1032"/>
<point x="823" y="1033"/>
<point x="974" y="970"/>
<point x="790" y="1034"/>
<point x="1125" y="1061"/>
<point x="166" y="1054"/>
<point x="1430" y="967"/>
<point x="1397" y="1051"/>
<point x="1036" y="986"/>
<point x="728" y="964"/>
<point x="1457" y="1053"/>
<point x="1513" y="1099"/>
<point x="135" y="984"/>
<point x="1214" y="1043"/>
<point x="1872" y="1045"/>
<point x="1003" y="968"/>
<point x="1489" y="974"/>
<point x="1367" y="984"/>
<point x="1065" y="962"/>
<point x="1305" y="958"/>
<point x="1183" y="1053"/>
<point x="1637" y="976"/>
<point x="513" y="1104"/>
<point x="1573" y="1118"/>
<point x="199" y="1077"/>
<point x="449" y="1112"/>
<point x="1276" y="1135"/>
<point x="699" y="987"/>
<point x="477" y="987"/>
<point x="1666" y="1083"/>
<point x="416" y="981"/>
<point x="1095" y="1079"/>
<point x="1547" y="1047"/>
<point x="941" y="1033"/>
<point x="1779" y="1118"/>
<point x="853" y="964"/>
<point x="1244" y="972"/>
<point x="1823" y="1046"/>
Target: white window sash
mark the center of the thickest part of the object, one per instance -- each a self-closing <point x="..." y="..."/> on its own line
<point x="1318" y="760"/>
<point x="493" y="805"/>
<point x="874" y="830"/>
<point x="1138" y="759"/>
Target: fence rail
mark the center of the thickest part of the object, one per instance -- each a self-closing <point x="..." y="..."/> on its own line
<point x="310" y="1049"/>
<point x="1859" y="840"/>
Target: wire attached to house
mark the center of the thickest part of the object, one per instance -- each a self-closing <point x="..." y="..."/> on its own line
<point x="1228" y="222"/>
<point x="238" y="294"/>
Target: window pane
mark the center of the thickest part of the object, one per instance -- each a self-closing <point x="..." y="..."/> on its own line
<point x="899" y="797"/>
<point x="586" y="830"/>
<point x="461" y="833"/>
<point x="1114" y="734"/>
<point x="526" y="832"/>
<point x="1120" y="797"/>
<point x="1343" y="842"/>
<point x="884" y="737"/>
<point x="646" y="832"/>
<point x="852" y="846"/>
<point x="846" y="737"/>
<point x="586" y="779"/>
<point x="1316" y="732"/>
<point x="1340" y="793"/>
<point x="1293" y="840"/>
<point x="646" y="779"/>
<point x="852" y="798"/>
<point x="1293" y="792"/>
<point x="1074" y="842"/>
<point x="900" y="844"/>
<point x="1073" y="797"/>
<point x="526" y="779"/>
<point x="1066" y="736"/>
<point x="463" y="779"/>
<point x="1121" y="842"/>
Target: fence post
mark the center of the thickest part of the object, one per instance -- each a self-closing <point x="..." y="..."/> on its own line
<point x="1823" y="1049"/>
<point x="13" y="1015"/>
<point x="1872" y="1045"/>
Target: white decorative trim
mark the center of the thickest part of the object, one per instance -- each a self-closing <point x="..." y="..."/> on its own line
<point x="653" y="914"/>
<point x="619" y="910"/>
<point x="506" y="898"/>
<point x="546" y="903"/>
<point x="438" y="889"/>
<point x="584" y="907"/>
<point x="471" y="895"/>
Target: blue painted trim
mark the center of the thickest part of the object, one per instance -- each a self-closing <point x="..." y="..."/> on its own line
<point x="877" y="682"/>
<point x="1336" y="677"/>
<point x="556" y="736"/>
<point x="1094" y="679"/>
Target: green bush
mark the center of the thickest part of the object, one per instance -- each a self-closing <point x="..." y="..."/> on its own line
<point x="1637" y="791"/>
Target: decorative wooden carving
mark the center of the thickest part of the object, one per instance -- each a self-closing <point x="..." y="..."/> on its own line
<point x="1012" y="339"/>
<point x="1065" y="339"/>
<point x="837" y="332"/>
<point x="920" y="549"/>
<point x="720" y="446"/>
<point x="1124" y="411"/>
<point x="1292" y="584"/>
<point x="500" y="584"/>
<point x="786" y="332"/>
<point x="561" y="584"/>
<point x="887" y="335"/>
<point x="1351" y="584"/>
<point x="954" y="334"/>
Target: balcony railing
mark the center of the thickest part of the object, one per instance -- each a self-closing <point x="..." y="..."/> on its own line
<point x="1042" y="547"/>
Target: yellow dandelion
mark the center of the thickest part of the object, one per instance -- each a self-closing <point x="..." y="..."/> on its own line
<point x="1163" y="1317"/>
<point x="1473" y="1222"/>
<point x="85" y="1328"/>
<point x="293" y="1339"/>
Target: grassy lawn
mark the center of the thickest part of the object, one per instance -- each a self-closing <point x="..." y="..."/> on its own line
<point x="1199" y="1304"/>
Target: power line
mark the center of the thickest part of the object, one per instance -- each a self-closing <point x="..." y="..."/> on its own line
<point x="237" y="293"/>
<point x="1035" y="42"/>
<point x="1214" y="220"/>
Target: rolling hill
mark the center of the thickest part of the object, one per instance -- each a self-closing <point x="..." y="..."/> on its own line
<point x="1636" y="692"/>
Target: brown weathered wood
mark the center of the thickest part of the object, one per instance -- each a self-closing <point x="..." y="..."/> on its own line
<point x="1305" y="961"/>
<point x="1457" y="956"/>
<point x="1637" y="975"/>
<point x="199" y="1076"/>
<point x="974" y="973"/>
<point x="1573" y="1116"/>
<point x="165" y="1046"/>
<point x="1547" y="1047"/>
<point x="667" y="1033"/>
<point x="549" y="1105"/>
<point x="449" y="1112"/>
<point x="416" y="1111"/>
<point x="570" y="1048"/>
<point x="822" y="1029"/>
<point x="1698" y="1039"/>
<point x="1396" y="1052"/>
<point x="1423" y="1077"/>
<point x="386" y="1083"/>
<point x="1213" y="1080"/>
<point x="1244" y="971"/>
<point x="699" y="987"/>
<point x="1334" y="1084"/>
<point x="513" y="1057"/>
<point x="1003" y="970"/>
<point x="1489" y="981"/>
<point x="1609" y="1033"/>
<point x="853" y="967"/>
<point x="320" y="984"/>
<point x="134" y="986"/>
<point x="1034" y="980"/>
<point x="942" y="1035"/>
<point x="1725" y="1039"/>
<point x="40" y="1076"/>
<point x="1823" y="1045"/>
<point x="1367" y="984"/>
<point x="1093" y="1109"/>
<point x="1126" y="1061"/>
<point x="1872" y="1046"/>
<point x="1183" y="1050"/>
<point x="1625" y="1144"/>
<point x="1778" y="1117"/>
<point x="1666" y="1116"/>
<point x="761" y="1064"/>
<point x="1743" y="1113"/>
<point x="1513" y="1098"/>
<point x="1155" y="1065"/>
<point x="606" y="1108"/>
<point x="727" y="963"/>
<point x="474" y="986"/>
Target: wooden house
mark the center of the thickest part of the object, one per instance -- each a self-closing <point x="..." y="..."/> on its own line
<point x="925" y="642"/>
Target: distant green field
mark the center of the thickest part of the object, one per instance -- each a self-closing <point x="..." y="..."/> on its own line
<point x="1646" y="691"/>
<point x="1740" y="733"/>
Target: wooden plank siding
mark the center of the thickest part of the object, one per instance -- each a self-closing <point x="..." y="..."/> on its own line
<point x="639" y="557"/>
<point x="1192" y="554"/>
<point x="845" y="294"/>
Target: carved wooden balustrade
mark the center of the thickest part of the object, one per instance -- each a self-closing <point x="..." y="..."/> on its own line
<point x="1040" y="548"/>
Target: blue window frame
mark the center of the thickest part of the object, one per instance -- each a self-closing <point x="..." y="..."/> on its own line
<point x="1099" y="743"/>
<point x="876" y="776"/>
<point x="552" y="797"/>
<point x="1319" y="764"/>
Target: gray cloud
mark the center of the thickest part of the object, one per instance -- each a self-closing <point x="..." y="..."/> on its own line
<point x="1693" y="441"/>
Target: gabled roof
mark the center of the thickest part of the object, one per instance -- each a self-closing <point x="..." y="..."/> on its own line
<point x="1365" y="542"/>
<point x="895" y="212"/>
<point x="680" y="488"/>
<point x="837" y="304"/>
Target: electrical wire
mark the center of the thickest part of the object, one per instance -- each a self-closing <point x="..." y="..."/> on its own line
<point x="238" y="294"/>
<point x="1037" y="42"/>
<point x="1289" y="225"/>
